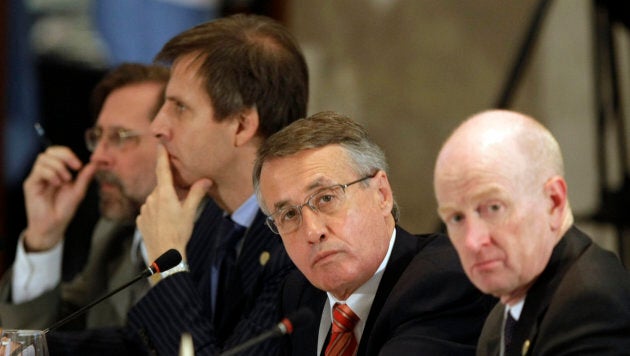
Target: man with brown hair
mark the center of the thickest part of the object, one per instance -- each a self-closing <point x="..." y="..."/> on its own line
<point x="123" y="161"/>
<point x="234" y="82"/>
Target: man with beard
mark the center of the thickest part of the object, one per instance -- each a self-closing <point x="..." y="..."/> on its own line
<point x="123" y="162"/>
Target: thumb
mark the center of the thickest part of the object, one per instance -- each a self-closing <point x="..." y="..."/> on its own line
<point x="196" y="193"/>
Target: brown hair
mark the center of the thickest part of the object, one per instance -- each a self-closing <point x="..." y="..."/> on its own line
<point x="323" y="129"/>
<point x="247" y="61"/>
<point x="123" y="75"/>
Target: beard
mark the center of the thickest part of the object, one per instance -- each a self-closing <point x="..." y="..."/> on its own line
<point x="114" y="203"/>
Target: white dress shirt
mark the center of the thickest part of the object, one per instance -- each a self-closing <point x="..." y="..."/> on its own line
<point x="360" y="302"/>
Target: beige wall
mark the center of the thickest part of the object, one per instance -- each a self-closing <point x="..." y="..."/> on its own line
<point x="410" y="70"/>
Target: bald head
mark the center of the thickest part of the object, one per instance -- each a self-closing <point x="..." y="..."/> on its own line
<point x="504" y="138"/>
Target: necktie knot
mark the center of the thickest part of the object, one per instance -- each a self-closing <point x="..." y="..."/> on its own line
<point x="230" y="233"/>
<point x="342" y="339"/>
<point x="344" y="319"/>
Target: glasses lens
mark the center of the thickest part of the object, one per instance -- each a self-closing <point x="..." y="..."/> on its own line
<point x="288" y="219"/>
<point x="92" y="136"/>
<point x="272" y="225"/>
<point x="328" y="201"/>
<point x="117" y="137"/>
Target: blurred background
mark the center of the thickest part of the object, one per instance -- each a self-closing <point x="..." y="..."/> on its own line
<point x="409" y="70"/>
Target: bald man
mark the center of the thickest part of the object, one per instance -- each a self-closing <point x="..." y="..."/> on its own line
<point x="501" y="193"/>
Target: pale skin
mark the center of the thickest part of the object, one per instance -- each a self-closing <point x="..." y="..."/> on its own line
<point x="165" y="221"/>
<point x="503" y="217"/>
<point x="337" y="253"/>
<point x="199" y="156"/>
<point x="52" y="196"/>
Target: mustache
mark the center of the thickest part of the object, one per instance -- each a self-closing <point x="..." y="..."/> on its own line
<point x="109" y="178"/>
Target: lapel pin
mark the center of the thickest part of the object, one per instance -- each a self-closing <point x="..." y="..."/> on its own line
<point x="264" y="258"/>
<point x="525" y="347"/>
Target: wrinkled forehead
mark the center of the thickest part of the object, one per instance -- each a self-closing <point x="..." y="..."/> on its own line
<point x="474" y="168"/>
<point x="291" y="178"/>
<point x="130" y="107"/>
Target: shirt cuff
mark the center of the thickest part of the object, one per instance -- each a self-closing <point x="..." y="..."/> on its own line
<point x="181" y="267"/>
<point x="35" y="273"/>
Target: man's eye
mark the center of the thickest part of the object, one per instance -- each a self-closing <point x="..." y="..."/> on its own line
<point x="177" y="107"/>
<point x="492" y="208"/>
<point x="289" y="215"/>
<point x="326" y="198"/>
<point x="117" y="137"/>
<point x="456" y="218"/>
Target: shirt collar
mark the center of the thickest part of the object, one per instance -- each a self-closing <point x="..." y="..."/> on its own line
<point x="361" y="300"/>
<point x="515" y="309"/>
<point x="245" y="214"/>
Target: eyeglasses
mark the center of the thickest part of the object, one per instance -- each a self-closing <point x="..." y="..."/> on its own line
<point x="325" y="201"/>
<point x="117" y="137"/>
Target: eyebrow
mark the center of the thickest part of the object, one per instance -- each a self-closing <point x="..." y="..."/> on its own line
<point x="320" y="182"/>
<point x="172" y="98"/>
<point x="114" y="128"/>
<point x="476" y="196"/>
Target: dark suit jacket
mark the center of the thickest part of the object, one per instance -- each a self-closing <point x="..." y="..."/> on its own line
<point x="181" y="302"/>
<point x="424" y="304"/>
<point x="579" y="305"/>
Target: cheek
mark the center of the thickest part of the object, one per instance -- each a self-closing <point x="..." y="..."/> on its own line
<point x="363" y="234"/>
<point x="139" y="178"/>
<point x="298" y="253"/>
<point x="460" y="247"/>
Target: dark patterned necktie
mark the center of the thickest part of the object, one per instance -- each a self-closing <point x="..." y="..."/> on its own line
<point x="229" y="234"/>
<point x="508" y="331"/>
<point x="342" y="339"/>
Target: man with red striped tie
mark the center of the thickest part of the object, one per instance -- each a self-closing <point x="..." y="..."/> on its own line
<point x="375" y="288"/>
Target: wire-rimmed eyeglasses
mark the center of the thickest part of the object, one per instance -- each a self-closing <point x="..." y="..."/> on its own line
<point x="325" y="201"/>
<point x="117" y="137"/>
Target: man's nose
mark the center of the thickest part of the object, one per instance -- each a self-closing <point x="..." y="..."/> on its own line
<point x="159" y="126"/>
<point x="477" y="234"/>
<point x="102" y="154"/>
<point x="313" y="225"/>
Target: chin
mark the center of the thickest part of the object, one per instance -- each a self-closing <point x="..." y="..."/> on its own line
<point x="180" y="181"/>
<point x="116" y="211"/>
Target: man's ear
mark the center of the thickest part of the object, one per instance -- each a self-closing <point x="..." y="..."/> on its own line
<point x="556" y="194"/>
<point x="385" y="194"/>
<point x="247" y="126"/>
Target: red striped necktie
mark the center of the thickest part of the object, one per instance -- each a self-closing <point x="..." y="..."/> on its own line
<point x="342" y="340"/>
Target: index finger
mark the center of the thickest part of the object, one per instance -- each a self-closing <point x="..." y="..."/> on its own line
<point x="65" y="155"/>
<point x="163" y="168"/>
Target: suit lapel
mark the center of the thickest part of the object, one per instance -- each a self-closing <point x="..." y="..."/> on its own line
<point x="258" y="244"/>
<point x="299" y="293"/>
<point x="199" y="248"/>
<point x="203" y="238"/>
<point x="315" y="299"/>
<point x="405" y="248"/>
<point x="491" y="345"/>
<point x="566" y="252"/>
